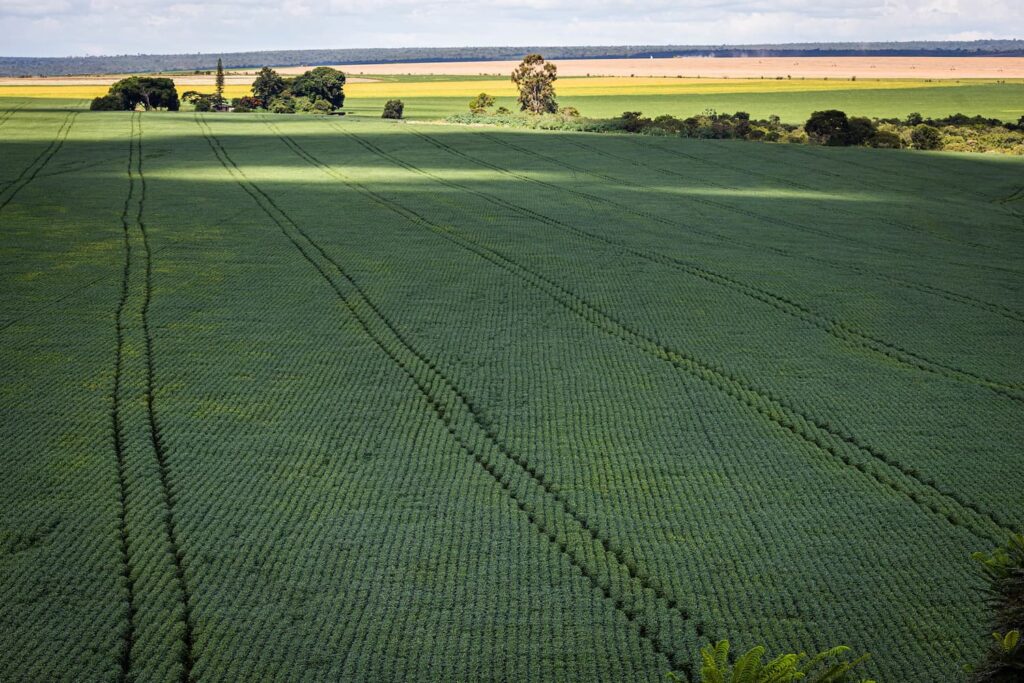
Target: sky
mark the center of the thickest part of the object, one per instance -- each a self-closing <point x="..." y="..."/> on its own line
<point x="105" y="27"/>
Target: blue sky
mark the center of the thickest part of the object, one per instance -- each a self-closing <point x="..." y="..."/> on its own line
<point x="78" y="27"/>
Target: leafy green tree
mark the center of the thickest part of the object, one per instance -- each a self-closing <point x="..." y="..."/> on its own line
<point x="925" y="137"/>
<point x="830" y="127"/>
<point x="321" y="83"/>
<point x="535" y="80"/>
<point x="219" y="89"/>
<point x="481" y="103"/>
<point x="151" y="93"/>
<point x="106" y="103"/>
<point x="268" y="84"/>
<point x="861" y="130"/>
<point x="393" y="109"/>
<point x="282" y="104"/>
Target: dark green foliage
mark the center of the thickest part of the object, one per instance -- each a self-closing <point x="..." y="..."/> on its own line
<point x="914" y="119"/>
<point x="268" y="84"/>
<point x="201" y="102"/>
<point x="1003" y="570"/>
<point x="321" y="83"/>
<point x="219" y="82"/>
<point x="282" y="104"/>
<point x="885" y="139"/>
<point x="246" y="103"/>
<point x="829" y="666"/>
<point x="861" y="129"/>
<point x="107" y="103"/>
<point x="924" y="136"/>
<point x="535" y="80"/>
<point x="151" y="93"/>
<point x="393" y="109"/>
<point x="830" y="127"/>
<point x="481" y="103"/>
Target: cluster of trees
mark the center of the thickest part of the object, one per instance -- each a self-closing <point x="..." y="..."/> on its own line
<point x="534" y="78"/>
<point x="708" y="125"/>
<point x="834" y="128"/>
<point x="320" y="90"/>
<point x="128" y="93"/>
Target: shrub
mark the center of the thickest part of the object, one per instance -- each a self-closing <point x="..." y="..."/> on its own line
<point x="246" y="103"/>
<point x="481" y="103"/>
<point x="633" y="121"/>
<point x="830" y="666"/>
<point x="830" y="127"/>
<point x="925" y="137"/>
<point x="861" y="130"/>
<point x="281" y="105"/>
<point x="393" y="109"/>
<point x="885" y="139"/>
<point x="503" y="111"/>
<point x="914" y="119"/>
<point x="106" y="103"/>
<point x="570" y="112"/>
<point x="322" y="107"/>
<point x="1003" y="570"/>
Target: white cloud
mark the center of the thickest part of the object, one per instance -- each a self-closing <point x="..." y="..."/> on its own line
<point x="79" y="26"/>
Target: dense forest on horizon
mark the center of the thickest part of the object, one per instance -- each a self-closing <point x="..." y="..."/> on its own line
<point x="68" y="66"/>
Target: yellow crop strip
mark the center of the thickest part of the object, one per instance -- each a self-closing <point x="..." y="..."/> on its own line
<point x="89" y="91"/>
<point x="595" y="86"/>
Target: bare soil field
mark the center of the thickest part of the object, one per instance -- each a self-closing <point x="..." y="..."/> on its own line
<point x="732" y="67"/>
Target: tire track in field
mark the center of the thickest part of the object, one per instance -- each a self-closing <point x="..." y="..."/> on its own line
<point x="863" y="178"/>
<point x="818" y="433"/>
<point x="156" y="439"/>
<point x="628" y="589"/>
<point x="128" y="635"/>
<point x="149" y="539"/>
<point x="588" y="197"/>
<point x="792" y="183"/>
<point x="39" y="163"/>
<point x="1003" y="311"/>
<point x="832" y="326"/>
<point x="5" y="117"/>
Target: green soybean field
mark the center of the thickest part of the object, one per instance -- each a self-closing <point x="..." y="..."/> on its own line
<point x="320" y="398"/>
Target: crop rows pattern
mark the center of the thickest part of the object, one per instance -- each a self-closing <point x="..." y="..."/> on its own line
<point x="308" y="399"/>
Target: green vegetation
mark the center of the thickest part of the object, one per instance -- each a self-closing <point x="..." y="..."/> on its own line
<point x="1003" y="570"/>
<point x="829" y="666"/>
<point x="127" y="94"/>
<point x="393" y="109"/>
<point x="313" y="397"/>
<point x="534" y="79"/>
<point x="830" y="128"/>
